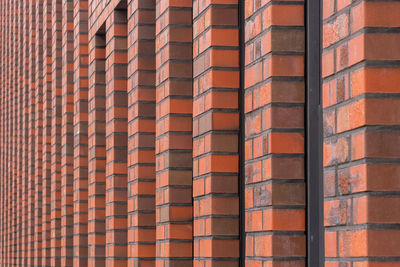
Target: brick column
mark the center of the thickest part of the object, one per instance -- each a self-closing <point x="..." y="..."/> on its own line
<point x="16" y="130"/>
<point x="20" y="140"/>
<point x="6" y="135"/>
<point x="47" y="120"/>
<point x="67" y="134"/>
<point x="2" y="134"/>
<point x="141" y="133"/>
<point x="361" y="72"/>
<point x="3" y="172"/>
<point x="38" y="134"/>
<point x="25" y="152"/>
<point x="97" y="152"/>
<point x="56" y="121"/>
<point x="12" y="130"/>
<point x="5" y="144"/>
<point x="2" y="261"/>
<point x="174" y="208"/>
<point x="1" y="138"/>
<point x="32" y="132"/>
<point x="215" y="132"/>
<point x="80" y="57"/>
<point x="274" y="134"/>
<point x="116" y="138"/>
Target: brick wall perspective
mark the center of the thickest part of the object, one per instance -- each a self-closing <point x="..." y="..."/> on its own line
<point x="171" y="133"/>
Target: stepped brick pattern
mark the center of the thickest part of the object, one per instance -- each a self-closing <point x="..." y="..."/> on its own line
<point x="171" y="133"/>
<point x="274" y="133"/>
<point x="361" y="89"/>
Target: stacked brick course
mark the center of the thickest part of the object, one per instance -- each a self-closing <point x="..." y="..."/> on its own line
<point x="361" y="89"/>
<point x="274" y="133"/>
<point x="132" y="133"/>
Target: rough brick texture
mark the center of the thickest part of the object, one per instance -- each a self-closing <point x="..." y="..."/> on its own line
<point x="67" y="135"/>
<point x="173" y="149"/>
<point x="215" y="133"/>
<point x="80" y="79"/>
<point x="120" y="133"/>
<point x="47" y="117"/>
<point x="141" y="133"/>
<point x="274" y="133"/>
<point x="361" y="73"/>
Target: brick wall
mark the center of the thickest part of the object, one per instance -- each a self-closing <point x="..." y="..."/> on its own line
<point x="361" y="135"/>
<point x="126" y="133"/>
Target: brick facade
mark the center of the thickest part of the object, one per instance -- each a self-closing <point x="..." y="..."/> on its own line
<point x="361" y="71"/>
<point x="172" y="133"/>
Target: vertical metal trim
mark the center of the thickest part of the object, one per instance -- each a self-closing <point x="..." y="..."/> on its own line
<point x="314" y="138"/>
<point x="241" y="176"/>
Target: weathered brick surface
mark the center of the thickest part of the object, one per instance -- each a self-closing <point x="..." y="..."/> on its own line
<point x="56" y="120"/>
<point x="274" y="133"/>
<point x="80" y="68"/>
<point x="361" y="136"/>
<point x="116" y="138"/>
<point x="141" y="133"/>
<point x="32" y="132"/>
<point x="26" y="153"/>
<point x="67" y="135"/>
<point x="215" y="133"/>
<point x="38" y="135"/>
<point x="13" y="167"/>
<point x="120" y="133"/>
<point x="97" y="152"/>
<point x="173" y="145"/>
<point x="47" y="118"/>
<point x="20" y="110"/>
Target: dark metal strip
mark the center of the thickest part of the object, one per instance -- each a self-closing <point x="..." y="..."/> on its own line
<point x="241" y="176"/>
<point x="314" y="138"/>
